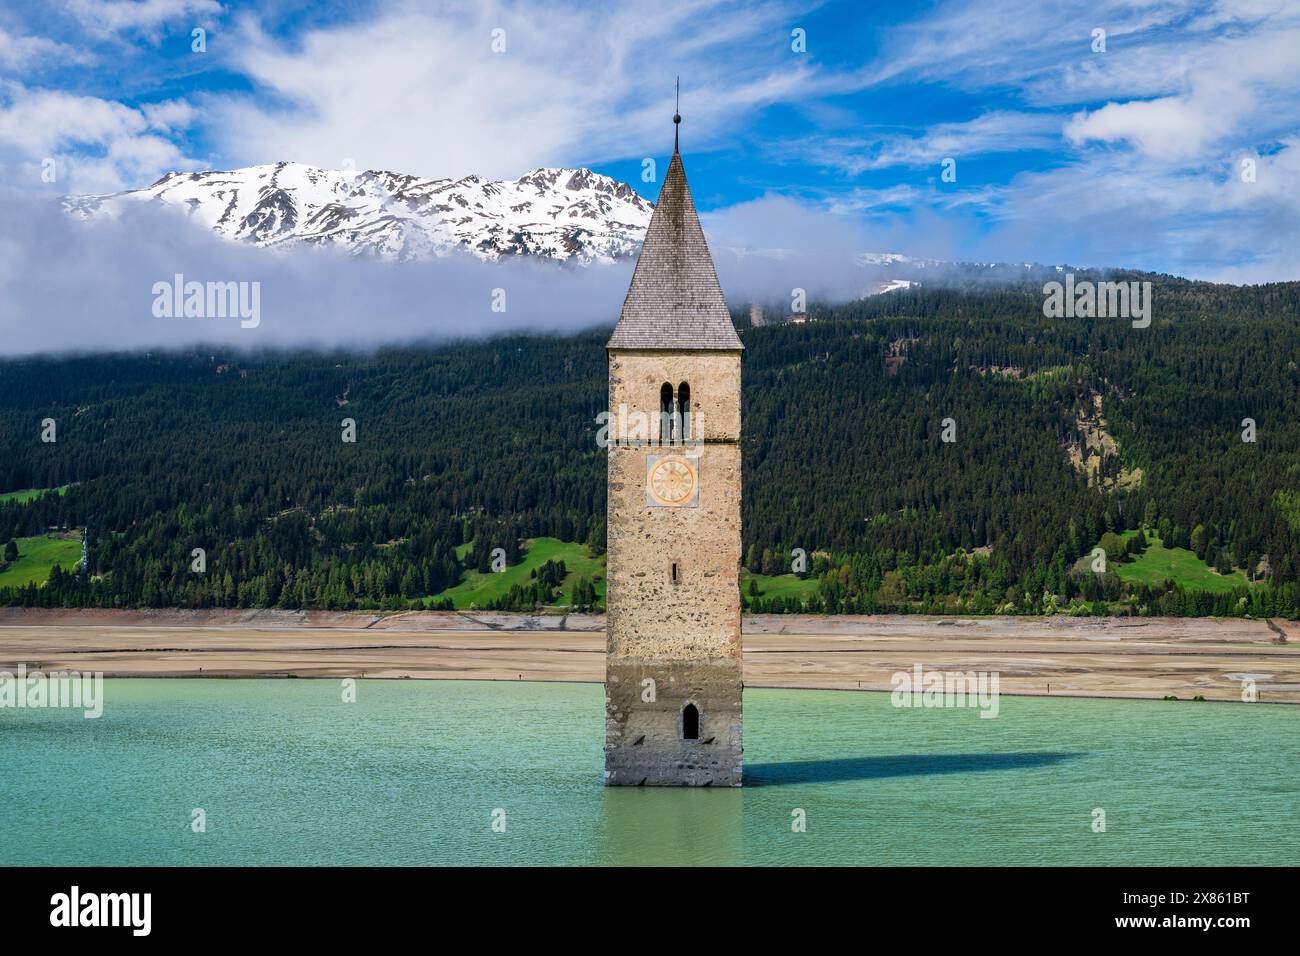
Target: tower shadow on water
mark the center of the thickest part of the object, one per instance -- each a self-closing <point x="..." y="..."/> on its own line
<point x="842" y="769"/>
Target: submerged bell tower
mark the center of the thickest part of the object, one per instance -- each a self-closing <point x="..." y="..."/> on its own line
<point x="673" y="653"/>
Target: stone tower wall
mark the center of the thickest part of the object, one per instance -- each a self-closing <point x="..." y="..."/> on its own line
<point x="683" y="636"/>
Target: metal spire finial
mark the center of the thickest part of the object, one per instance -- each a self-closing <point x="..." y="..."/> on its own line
<point x="677" y="114"/>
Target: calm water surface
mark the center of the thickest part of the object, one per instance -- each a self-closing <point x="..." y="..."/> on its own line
<point x="412" y="772"/>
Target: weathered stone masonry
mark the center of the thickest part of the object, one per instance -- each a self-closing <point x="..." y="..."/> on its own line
<point x="673" y="678"/>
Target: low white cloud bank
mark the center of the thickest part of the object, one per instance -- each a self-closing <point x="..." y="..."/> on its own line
<point x="73" y="286"/>
<point x="68" y="285"/>
<point x="766" y="249"/>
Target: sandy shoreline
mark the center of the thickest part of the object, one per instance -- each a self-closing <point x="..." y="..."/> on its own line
<point x="1076" y="657"/>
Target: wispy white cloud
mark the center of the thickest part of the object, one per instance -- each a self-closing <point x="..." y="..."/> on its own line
<point x="170" y="115"/>
<point x="1014" y="44"/>
<point x="97" y="145"/>
<point x="35" y="53"/>
<point x="426" y="91"/>
<point x="888" y="199"/>
<point x="998" y="131"/>
<point x="1234" y="88"/>
<point x="1168" y="128"/>
<point x="1123" y="209"/>
<point x="1148" y="177"/>
<point x="148" y="18"/>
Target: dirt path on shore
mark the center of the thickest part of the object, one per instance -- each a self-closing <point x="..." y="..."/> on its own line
<point x="1085" y="657"/>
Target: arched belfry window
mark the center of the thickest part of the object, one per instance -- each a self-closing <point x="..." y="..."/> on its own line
<point x="665" y="414"/>
<point x="684" y="404"/>
<point x="690" y="722"/>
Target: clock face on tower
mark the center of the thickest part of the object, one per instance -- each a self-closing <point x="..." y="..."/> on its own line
<point x="672" y="481"/>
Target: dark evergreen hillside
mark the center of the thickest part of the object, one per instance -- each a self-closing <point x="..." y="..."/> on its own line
<point x="844" y="419"/>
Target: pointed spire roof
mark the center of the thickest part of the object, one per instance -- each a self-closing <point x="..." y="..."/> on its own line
<point x="675" y="301"/>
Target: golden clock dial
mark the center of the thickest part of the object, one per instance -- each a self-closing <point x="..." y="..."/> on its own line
<point x="673" y="481"/>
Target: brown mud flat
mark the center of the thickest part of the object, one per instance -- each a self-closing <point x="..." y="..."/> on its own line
<point x="1070" y="657"/>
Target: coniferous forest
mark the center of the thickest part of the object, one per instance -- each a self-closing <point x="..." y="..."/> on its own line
<point x="930" y="450"/>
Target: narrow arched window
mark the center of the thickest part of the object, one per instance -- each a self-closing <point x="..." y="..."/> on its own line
<point x="665" y="413"/>
<point x="690" y="722"/>
<point x="684" y="403"/>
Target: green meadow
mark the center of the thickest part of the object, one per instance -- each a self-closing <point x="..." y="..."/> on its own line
<point x="478" y="588"/>
<point x="1183" y="567"/>
<point x="22" y="497"/>
<point x="778" y="585"/>
<point x="37" y="557"/>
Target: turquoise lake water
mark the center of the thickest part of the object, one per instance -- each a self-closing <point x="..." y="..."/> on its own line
<point x="412" y="773"/>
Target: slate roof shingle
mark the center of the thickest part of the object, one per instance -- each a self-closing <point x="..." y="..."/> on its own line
<point x="674" y="301"/>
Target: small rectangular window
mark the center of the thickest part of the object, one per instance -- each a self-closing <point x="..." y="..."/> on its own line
<point x="675" y="578"/>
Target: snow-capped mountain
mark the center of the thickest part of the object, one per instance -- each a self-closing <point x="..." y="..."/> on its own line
<point x="568" y="215"/>
<point x="564" y="214"/>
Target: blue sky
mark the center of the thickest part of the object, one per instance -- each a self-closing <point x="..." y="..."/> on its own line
<point x="1135" y="155"/>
